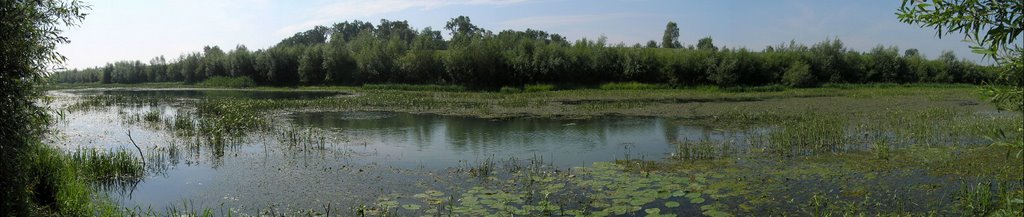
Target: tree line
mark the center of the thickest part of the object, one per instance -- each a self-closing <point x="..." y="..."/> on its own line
<point x="357" y="52"/>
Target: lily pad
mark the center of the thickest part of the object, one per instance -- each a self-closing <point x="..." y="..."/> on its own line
<point x="697" y="200"/>
<point x="671" y="204"/>
<point x="653" y="211"/>
<point x="411" y="207"/>
<point x="434" y="193"/>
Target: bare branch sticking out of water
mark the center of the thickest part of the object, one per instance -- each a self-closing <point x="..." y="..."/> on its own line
<point x="143" y="157"/>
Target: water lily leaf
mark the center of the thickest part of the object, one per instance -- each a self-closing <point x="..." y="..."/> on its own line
<point x="671" y="204"/>
<point x="693" y="195"/>
<point x="678" y="193"/>
<point x="716" y="213"/>
<point x="638" y="201"/>
<point x="411" y="207"/>
<point x="697" y="200"/>
<point x="654" y="211"/>
<point x="619" y="210"/>
<point x="434" y="193"/>
<point x="387" y="204"/>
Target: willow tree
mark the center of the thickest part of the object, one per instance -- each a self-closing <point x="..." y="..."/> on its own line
<point x="671" y="37"/>
<point x="993" y="26"/>
<point x="31" y="33"/>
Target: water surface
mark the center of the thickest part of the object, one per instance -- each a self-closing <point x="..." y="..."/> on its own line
<point x="341" y="154"/>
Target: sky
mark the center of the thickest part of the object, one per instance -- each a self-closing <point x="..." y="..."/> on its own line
<point x="140" y="30"/>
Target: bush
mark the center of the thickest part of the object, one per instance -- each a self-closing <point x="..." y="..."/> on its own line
<point x="539" y="88"/>
<point x="231" y="82"/>
<point x="58" y="183"/>
<point x="510" y="90"/>
<point x="798" y="75"/>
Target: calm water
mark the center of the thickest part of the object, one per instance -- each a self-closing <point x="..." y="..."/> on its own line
<point x="207" y="93"/>
<point x="354" y="156"/>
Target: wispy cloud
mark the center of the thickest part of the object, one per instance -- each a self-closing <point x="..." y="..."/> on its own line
<point x="561" y="20"/>
<point x="355" y="9"/>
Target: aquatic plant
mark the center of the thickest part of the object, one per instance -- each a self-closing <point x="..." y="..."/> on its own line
<point x="153" y="116"/>
<point x="703" y="149"/>
<point x="116" y="164"/>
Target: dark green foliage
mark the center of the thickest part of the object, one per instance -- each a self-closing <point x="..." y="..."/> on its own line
<point x="311" y="66"/>
<point x="317" y="35"/>
<point x="640" y="65"/>
<point x="214" y="62"/>
<point x="706" y="44"/>
<point x="241" y="62"/>
<point x="993" y="26"/>
<point x="339" y="66"/>
<point x="799" y="75"/>
<point x="421" y="67"/>
<point x="358" y="52"/>
<point x="29" y="34"/>
<point x="671" y="37"/>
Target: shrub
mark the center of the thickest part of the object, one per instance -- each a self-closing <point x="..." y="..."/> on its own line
<point x="510" y="90"/>
<point x="798" y="75"/>
<point x="539" y="88"/>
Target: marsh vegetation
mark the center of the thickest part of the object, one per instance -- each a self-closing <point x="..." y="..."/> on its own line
<point x="410" y="150"/>
<point x="515" y="123"/>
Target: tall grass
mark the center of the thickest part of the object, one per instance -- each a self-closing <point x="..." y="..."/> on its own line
<point x="632" y="86"/>
<point x="415" y="87"/>
<point x="62" y="183"/>
<point x="230" y="82"/>
<point x="703" y="149"/>
<point x="990" y="199"/>
<point x="811" y="135"/>
<point x="108" y="165"/>
<point x="538" y="88"/>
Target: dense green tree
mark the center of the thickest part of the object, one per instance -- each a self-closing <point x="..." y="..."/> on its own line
<point x="157" y="70"/>
<point x="282" y="68"/>
<point x="213" y="63"/>
<point x="189" y="68"/>
<point x="706" y="44"/>
<point x="241" y="62"/>
<point x="799" y="75"/>
<point x="346" y="31"/>
<point x="651" y="44"/>
<point x="317" y="35"/>
<point x="463" y="31"/>
<point x="911" y="52"/>
<point x="995" y="26"/>
<point x="392" y="52"/>
<point x="107" y="71"/>
<point x="311" y="69"/>
<point x="395" y="29"/>
<point x="428" y="39"/>
<point x="884" y="65"/>
<point x="29" y="34"/>
<point x="339" y="65"/>
<point x="671" y="37"/>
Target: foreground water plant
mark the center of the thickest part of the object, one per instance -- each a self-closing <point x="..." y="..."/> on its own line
<point x="603" y="189"/>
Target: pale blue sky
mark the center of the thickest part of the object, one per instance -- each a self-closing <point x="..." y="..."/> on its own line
<point x="139" y="30"/>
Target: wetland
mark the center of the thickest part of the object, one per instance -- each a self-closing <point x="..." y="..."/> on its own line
<point x="885" y="150"/>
